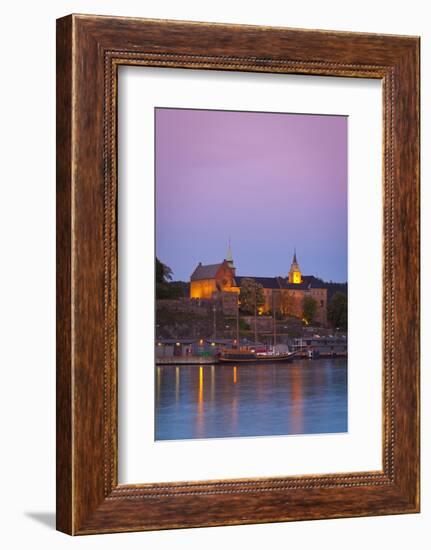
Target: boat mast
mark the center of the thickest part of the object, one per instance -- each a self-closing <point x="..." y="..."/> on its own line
<point x="274" y="325"/>
<point x="255" y="313"/>
<point x="237" y="323"/>
<point x="214" y="323"/>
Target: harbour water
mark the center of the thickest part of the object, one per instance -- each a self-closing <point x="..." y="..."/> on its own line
<point x="303" y="397"/>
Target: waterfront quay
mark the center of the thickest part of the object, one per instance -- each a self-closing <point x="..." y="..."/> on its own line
<point x="189" y="351"/>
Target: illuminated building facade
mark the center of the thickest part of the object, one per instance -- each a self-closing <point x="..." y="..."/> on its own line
<point x="208" y="279"/>
<point x="284" y="294"/>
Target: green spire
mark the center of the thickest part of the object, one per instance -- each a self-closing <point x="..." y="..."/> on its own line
<point x="229" y="257"/>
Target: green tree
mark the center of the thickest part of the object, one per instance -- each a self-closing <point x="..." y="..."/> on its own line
<point x="309" y="308"/>
<point x="337" y="311"/>
<point x="251" y="295"/>
<point x="165" y="289"/>
<point x="163" y="272"/>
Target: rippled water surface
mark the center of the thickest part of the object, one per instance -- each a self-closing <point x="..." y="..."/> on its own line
<point x="303" y="397"/>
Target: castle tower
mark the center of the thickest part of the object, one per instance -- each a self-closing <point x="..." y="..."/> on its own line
<point x="229" y="257"/>
<point x="295" y="275"/>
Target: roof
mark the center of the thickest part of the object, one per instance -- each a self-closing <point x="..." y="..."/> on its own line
<point x="284" y="283"/>
<point x="172" y="341"/>
<point x="205" y="272"/>
<point x="266" y="282"/>
<point x="308" y="281"/>
<point x="210" y="271"/>
<point x="313" y="282"/>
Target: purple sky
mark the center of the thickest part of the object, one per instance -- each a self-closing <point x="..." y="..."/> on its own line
<point x="269" y="181"/>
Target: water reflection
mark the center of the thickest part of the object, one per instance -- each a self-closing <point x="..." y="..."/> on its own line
<point x="297" y="424"/>
<point x="200" y="413"/>
<point x="177" y="385"/>
<point x="250" y="400"/>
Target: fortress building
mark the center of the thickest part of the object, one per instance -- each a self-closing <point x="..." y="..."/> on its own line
<point x="283" y="294"/>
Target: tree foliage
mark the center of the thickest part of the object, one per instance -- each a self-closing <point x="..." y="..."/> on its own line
<point x="289" y="304"/>
<point x="337" y="311"/>
<point x="163" y="272"/>
<point x="251" y="296"/>
<point x="309" y="308"/>
<point x="165" y="289"/>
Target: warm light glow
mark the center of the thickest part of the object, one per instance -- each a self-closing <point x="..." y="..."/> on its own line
<point x="205" y="288"/>
<point x="234" y="375"/>
<point x="177" y="344"/>
<point x="200" y="417"/>
<point x="201" y="342"/>
<point x="201" y="384"/>
<point x="159" y="344"/>
<point x="177" y="384"/>
<point x="213" y="343"/>
<point x="296" y="277"/>
<point x="202" y="289"/>
<point x="158" y="382"/>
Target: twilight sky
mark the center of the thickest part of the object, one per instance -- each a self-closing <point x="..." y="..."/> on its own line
<point x="269" y="181"/>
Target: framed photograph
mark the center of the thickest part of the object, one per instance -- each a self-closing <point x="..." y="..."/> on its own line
<point x="237" y="274"/>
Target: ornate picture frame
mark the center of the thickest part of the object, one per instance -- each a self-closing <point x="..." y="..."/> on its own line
<point x="89" y="51"/>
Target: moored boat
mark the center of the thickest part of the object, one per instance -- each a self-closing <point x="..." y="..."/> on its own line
<point x="252" y="356"/>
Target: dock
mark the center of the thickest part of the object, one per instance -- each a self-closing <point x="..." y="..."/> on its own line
<point x="187" y="360"/>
